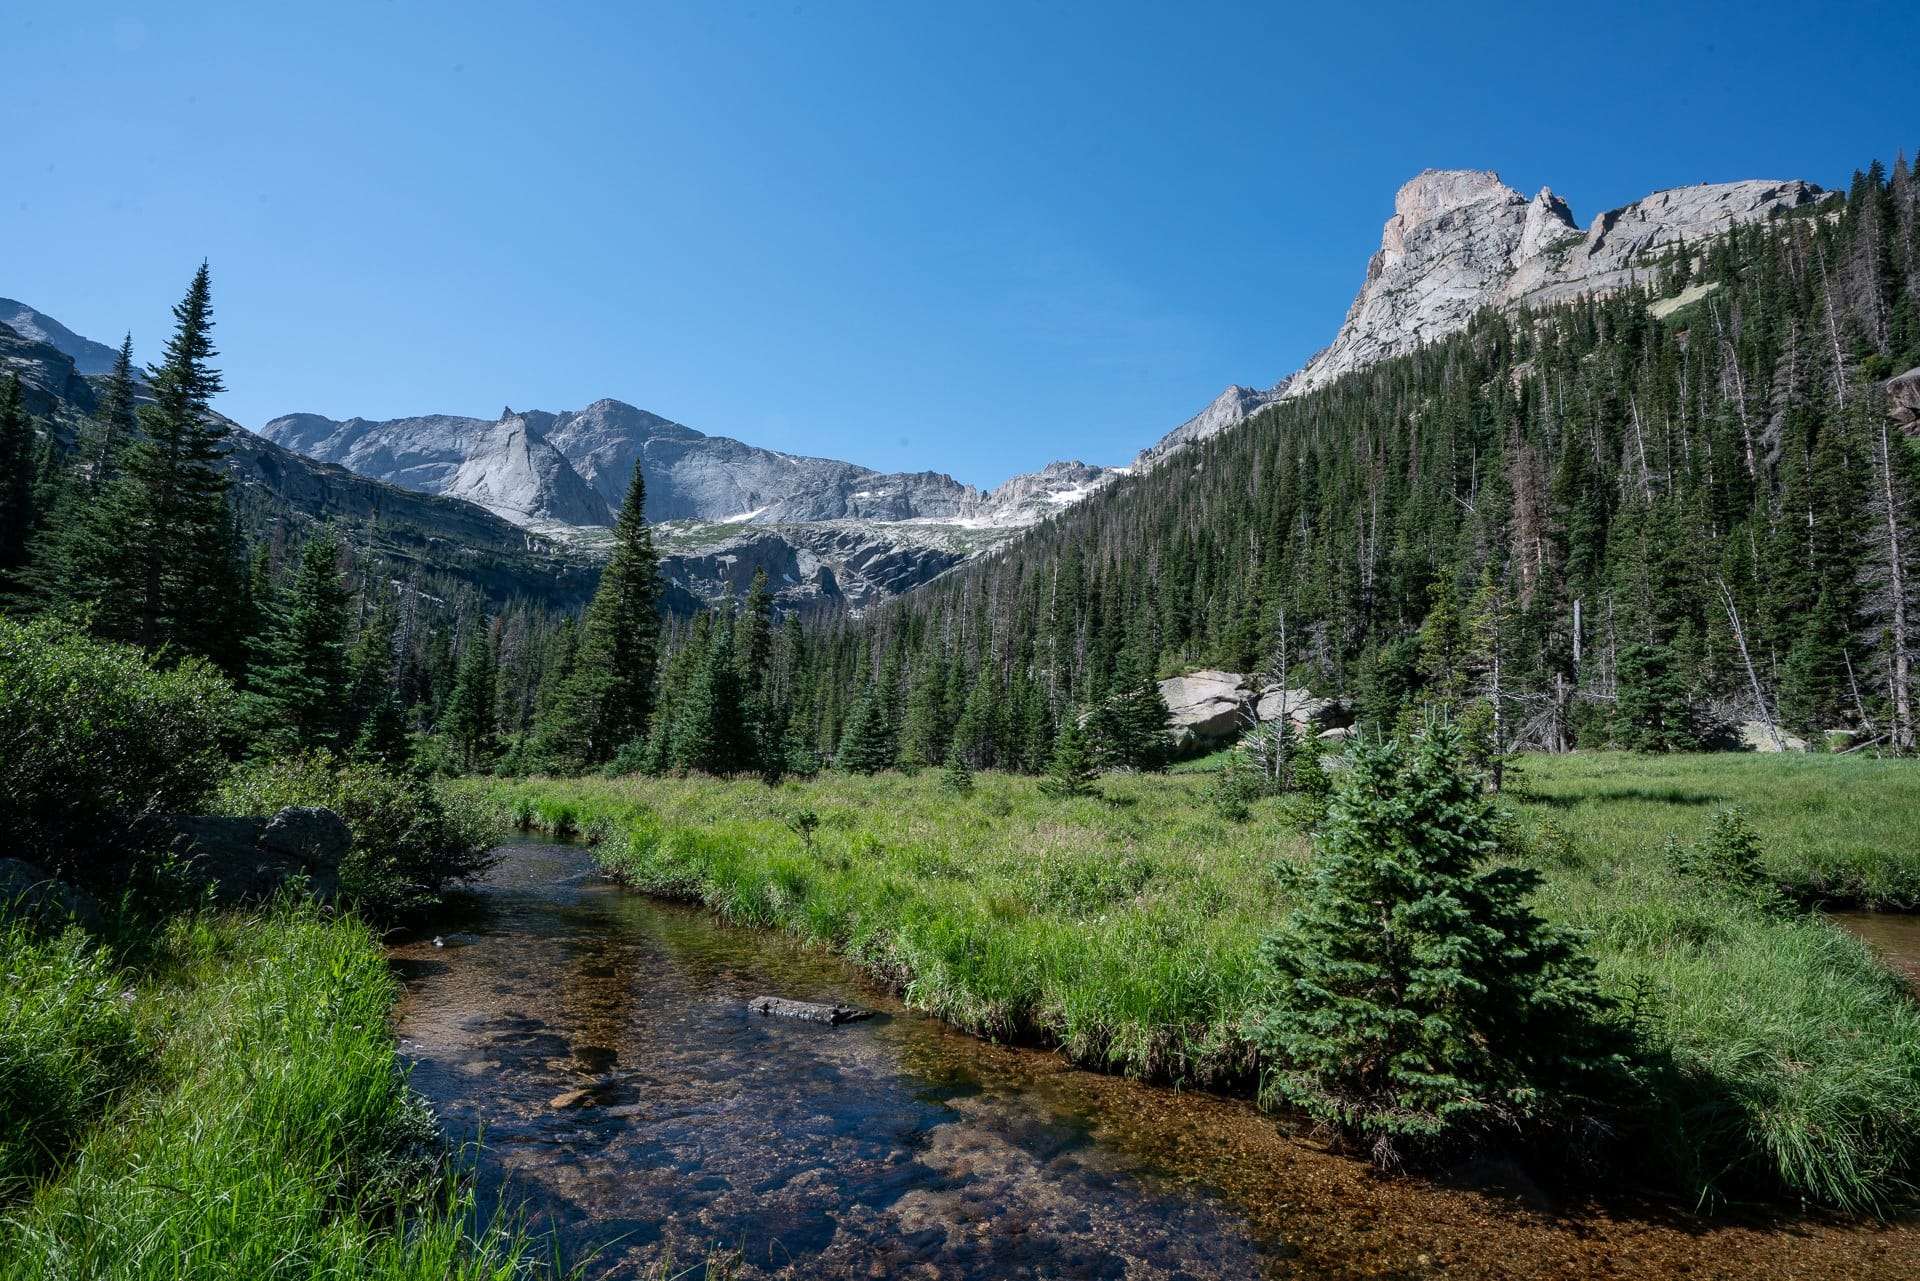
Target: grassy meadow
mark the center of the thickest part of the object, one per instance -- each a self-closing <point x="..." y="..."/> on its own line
<point x="224" y="1104"/>
<point x="1125" y="929"/>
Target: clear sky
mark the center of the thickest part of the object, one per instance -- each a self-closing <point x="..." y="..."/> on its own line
<point x="963" y="236"/>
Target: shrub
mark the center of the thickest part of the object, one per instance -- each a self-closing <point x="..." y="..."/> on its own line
<point x="410" y="843"/>
<point x="1419" y="1001"/>
<point x="93" y="733"/>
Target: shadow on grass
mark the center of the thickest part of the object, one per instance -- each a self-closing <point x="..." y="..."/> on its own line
<point x="1656" y="795"/>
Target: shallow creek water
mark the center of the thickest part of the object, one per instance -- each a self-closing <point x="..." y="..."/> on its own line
<point x="600" y="1042"/>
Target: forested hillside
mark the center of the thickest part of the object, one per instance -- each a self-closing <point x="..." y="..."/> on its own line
<point x="1636" y="520"/>
<point x="1714" y="457"/>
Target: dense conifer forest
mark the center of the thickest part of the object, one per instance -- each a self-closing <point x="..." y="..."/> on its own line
<point x="1637" y="521"/>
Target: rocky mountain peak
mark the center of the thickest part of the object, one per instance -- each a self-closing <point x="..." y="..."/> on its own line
<point x="1461" y="239"/>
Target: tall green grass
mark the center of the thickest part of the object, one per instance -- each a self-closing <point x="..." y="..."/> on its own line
<point x="1841" y="829"/>
<point x="269" y="1134"/>
<point x="1125" y="930"/>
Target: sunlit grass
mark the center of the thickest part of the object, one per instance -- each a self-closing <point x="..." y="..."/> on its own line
<point x="1125" y="930"/>
<point x="267" y="1134"/>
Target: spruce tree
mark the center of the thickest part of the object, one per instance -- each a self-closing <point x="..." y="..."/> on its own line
<point x="710" y="731"/>
<point x="1127" y="729"/>
<point x="955" y="777"/>
<point x="303" y="692"/>
<point x="173" y="581"/>
<point x="1418" y="998"/>
<point x="16" y="482"/>
<point x="866" y="743"/>
<point x="1071" y="771"/>
<point x="469" y="719"/>
<point x="608" y="700"/>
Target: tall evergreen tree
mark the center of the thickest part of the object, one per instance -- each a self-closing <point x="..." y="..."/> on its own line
<point x="608" y="700"/>
<point x="175" y="581"/>
<point x="866" y="742"/>
<point x="304" y="690"/>
<point x="17" y="516"/>
<point x="469" y="718"/>
<point x="710" y="731"/>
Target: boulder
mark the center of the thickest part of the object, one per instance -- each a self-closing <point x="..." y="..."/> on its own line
<point x="242" y="859"/>
<point x="28" y="892"/>
<point x="1754" y="738"/>
<point x="1206" y="708"/>
<point x="1302" y="707"/>
<point x="317" y="837"/>
<point x="1903" y="401"/>
<point x="809" y="1011"/>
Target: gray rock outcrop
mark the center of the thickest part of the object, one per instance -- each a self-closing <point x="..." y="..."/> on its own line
<point x="245" y="859"/>
<point x="1209" y="709"/>
<point x="29" y="893"/>
<point x="1460" y="240"/>
<point x="1206" y="708"/>
<point x="1903" y="401"/>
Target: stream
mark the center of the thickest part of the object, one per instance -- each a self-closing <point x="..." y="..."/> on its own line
<point x="599" y="1043"/>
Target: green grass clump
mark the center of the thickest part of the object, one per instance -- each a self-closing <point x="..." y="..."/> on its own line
<point x="272" y="1135"/>
<point x="1126" y="930"/>
<point x="68" y="1045"/>
<point x="1845" y="829"/>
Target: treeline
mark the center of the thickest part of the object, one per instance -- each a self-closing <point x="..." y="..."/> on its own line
<point x="1636" y="521"/>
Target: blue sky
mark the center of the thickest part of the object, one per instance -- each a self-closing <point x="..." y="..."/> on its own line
<point x="968" y="237"/>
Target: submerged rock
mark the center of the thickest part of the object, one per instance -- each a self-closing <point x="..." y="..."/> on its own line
<point x="810" y="1011"/>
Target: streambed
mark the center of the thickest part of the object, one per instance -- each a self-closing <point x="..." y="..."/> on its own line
<point x="600" y="1041"/>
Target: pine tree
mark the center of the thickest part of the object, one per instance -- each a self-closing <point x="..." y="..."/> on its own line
<point x="955" y="777"/>
<point x="608" y="700"/>
<point x="113" y="423"/>
<point x="303" y="693"/>
<point x="866" y="741"/>
<point x="1071" y="771"/>
<point x="17" y="516"/>
<point x="174" y="581"/>
<point x="1418" y="997"/>
<point x="1128" y="728"/>
<point x="710" y="732"/>
<point x="469" y="719"/>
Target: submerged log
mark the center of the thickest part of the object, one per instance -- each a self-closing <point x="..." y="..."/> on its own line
<point x="812" y="1012"/>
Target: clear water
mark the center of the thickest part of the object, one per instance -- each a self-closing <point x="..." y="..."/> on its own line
<point x="600" y="1041"/>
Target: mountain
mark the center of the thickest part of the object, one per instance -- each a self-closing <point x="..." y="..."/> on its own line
<point x="1461" y="240"/>
<point x="88" y="356"/>
<point x="825" y="531"/>
<point x="442" y="544"/>
<point x="690" y="475"/>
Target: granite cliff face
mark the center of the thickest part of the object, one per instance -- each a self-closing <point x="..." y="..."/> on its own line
<point x="825" y="531"/>
<point x="573" y="468"/>
<point x="1460" y="240"/>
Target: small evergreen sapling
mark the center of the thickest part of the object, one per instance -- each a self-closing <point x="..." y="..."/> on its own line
<point x="1418" y="1000"/>
<point x="955" y="777"/>
<point x="1070" y="772"/>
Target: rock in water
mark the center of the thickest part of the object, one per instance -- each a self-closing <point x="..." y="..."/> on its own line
<point x="810" y="1011"/>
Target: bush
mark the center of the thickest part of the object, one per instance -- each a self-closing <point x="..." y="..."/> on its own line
<point x="67" y="1044"/>
<point x="409" y="842"/>
<point x="1419" y="1001"/>
<point x="93" y="733"/>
